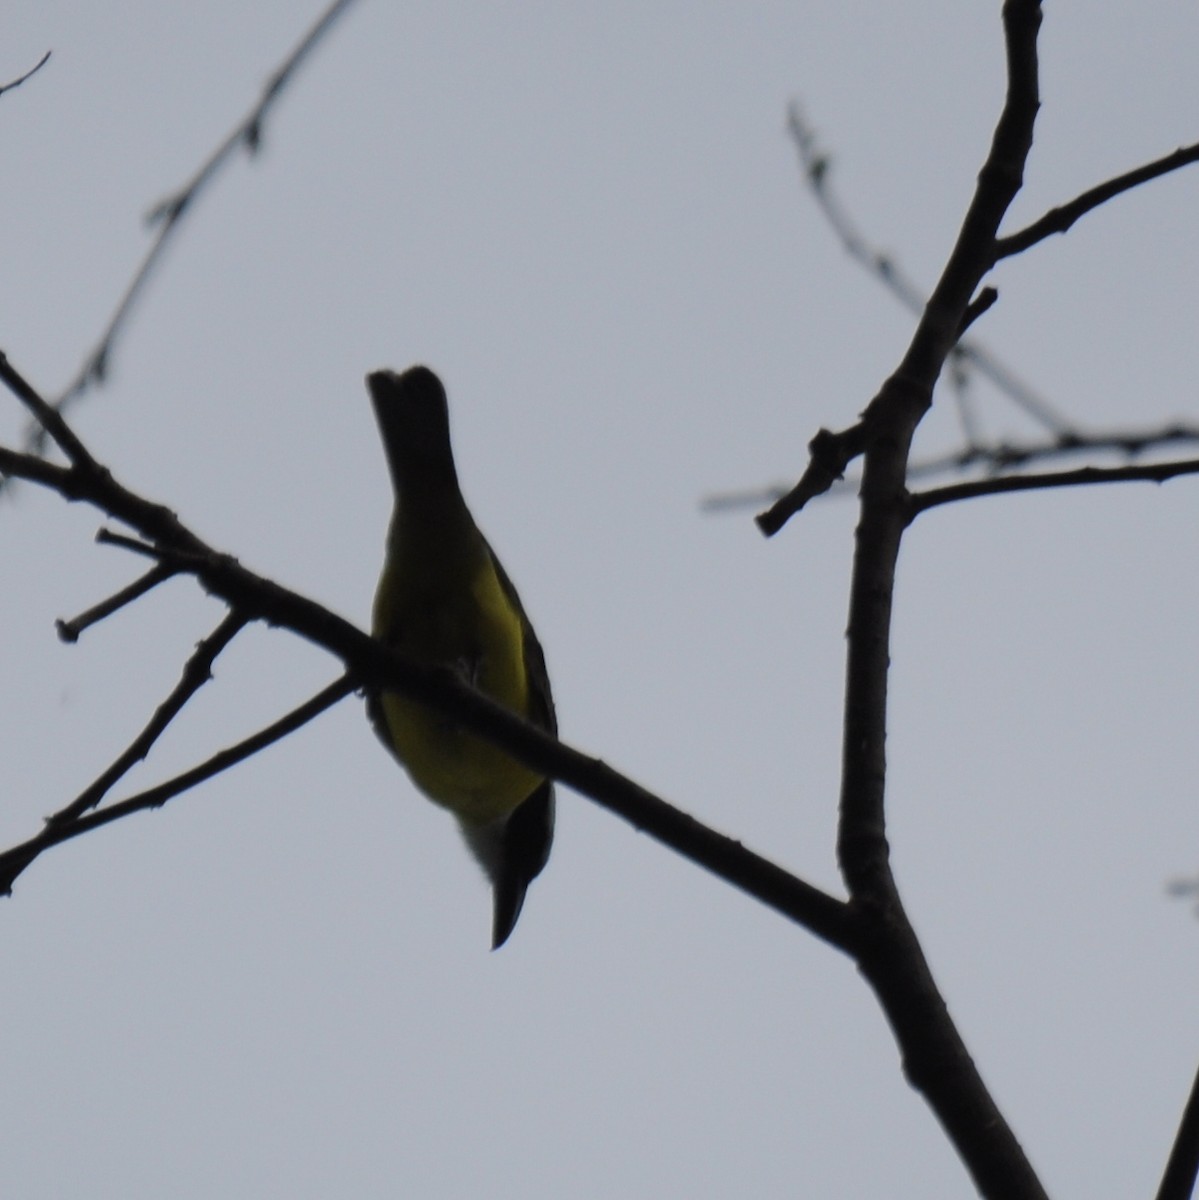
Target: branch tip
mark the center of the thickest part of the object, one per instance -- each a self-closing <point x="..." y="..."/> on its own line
<point x="16" y="83"/>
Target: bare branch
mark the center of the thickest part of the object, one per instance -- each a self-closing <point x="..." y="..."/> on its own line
<point x="1000" y="456"/>
<point x="830" y="454"/>
<point x="196" y="673"/>
<point x="935" y="1058"/>
<point x="168" y="213"/>
<point x="69" y="631"/>
<point x="85" y="479"/>
<point x="14" y="861"/>
<point x="109" y="537"/>
<point x="1178" y="1180"/>
<point x="909" y="390"/>
<point x="1084" y="477"/>
<point x="14" y="464"/>
<point x="975" y="309"/>
<point x="1059" y="220"/>
<point x="817" y="169"/>
<point x="997" y="456"/>
<point x="16" y="83"/>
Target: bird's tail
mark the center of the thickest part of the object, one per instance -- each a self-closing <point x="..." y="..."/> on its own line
<point x="513" y="852"/>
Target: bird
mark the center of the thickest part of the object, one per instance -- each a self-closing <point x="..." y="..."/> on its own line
<point x="444" y="600"/>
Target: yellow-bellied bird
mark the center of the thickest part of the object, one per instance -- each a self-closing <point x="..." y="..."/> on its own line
<point x="444" y="600"/>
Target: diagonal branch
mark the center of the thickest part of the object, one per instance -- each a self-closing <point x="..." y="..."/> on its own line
<point x="1178" y="1180"/>
<point x="69" y="630"/>
<point x="15" y="464"/>
<point x="829" y="455"/>
<point x="168" y="214"/>
<point x="15" y="860"/>
<point x="16" y="83"/>
<point x="817" y="170"/>
<point x="1061" y="219"/>
<point x="197" y="671"/>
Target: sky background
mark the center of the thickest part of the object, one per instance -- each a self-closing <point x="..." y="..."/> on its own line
<point x="589" y="220"/>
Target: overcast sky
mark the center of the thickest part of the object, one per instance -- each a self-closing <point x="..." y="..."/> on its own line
<point x="589" y="220"/>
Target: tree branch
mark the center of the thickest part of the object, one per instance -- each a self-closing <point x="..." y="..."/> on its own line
<point x="998" y="456"/>
<point x="1061" y="219"/>
<point x="921" y="502"/>
<point x="829" y="455"/>
<point x="15" y="860"/>
<point x="1178" y="1180"/>
<point x="69" y="631"/>
<point x="817" y="169"/>
<point x="168" y="213"/>
<point x="197" y="671"/>
<point x="16" y="83"/>
<point x="935" y="1058"/>
<point x="832" y="453"/>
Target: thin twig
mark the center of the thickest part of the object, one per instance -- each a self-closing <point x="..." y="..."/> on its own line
<point x="829" y="454"/>
<point x="168" y="213"/>
<point x="994" y="457"/>
<point x="14" y="861"/>
<point x="921" y="502"/>
<point x="979" y="305"/>
<point x="69" y="630"/>
<point x="961" y="386"/>
<point x="109" y="537"/>
<point x="1182" y="1167"/>
<point x="16" y="83"/>
<point x="1001" y="456"/>
<point x="1059" y="220"/>
<point x="197" y="671"/>
<point x="817" y="169"/>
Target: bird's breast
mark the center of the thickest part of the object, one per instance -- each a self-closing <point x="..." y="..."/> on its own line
<point x="468" y="625"/>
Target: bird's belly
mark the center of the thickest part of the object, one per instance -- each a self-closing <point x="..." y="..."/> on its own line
<point x="477" y="781"/>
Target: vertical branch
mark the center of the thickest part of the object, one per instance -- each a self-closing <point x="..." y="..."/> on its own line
<point x="935" y="1057"/>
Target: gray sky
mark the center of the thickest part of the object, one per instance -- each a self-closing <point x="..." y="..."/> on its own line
<point x="589" y="220"/>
